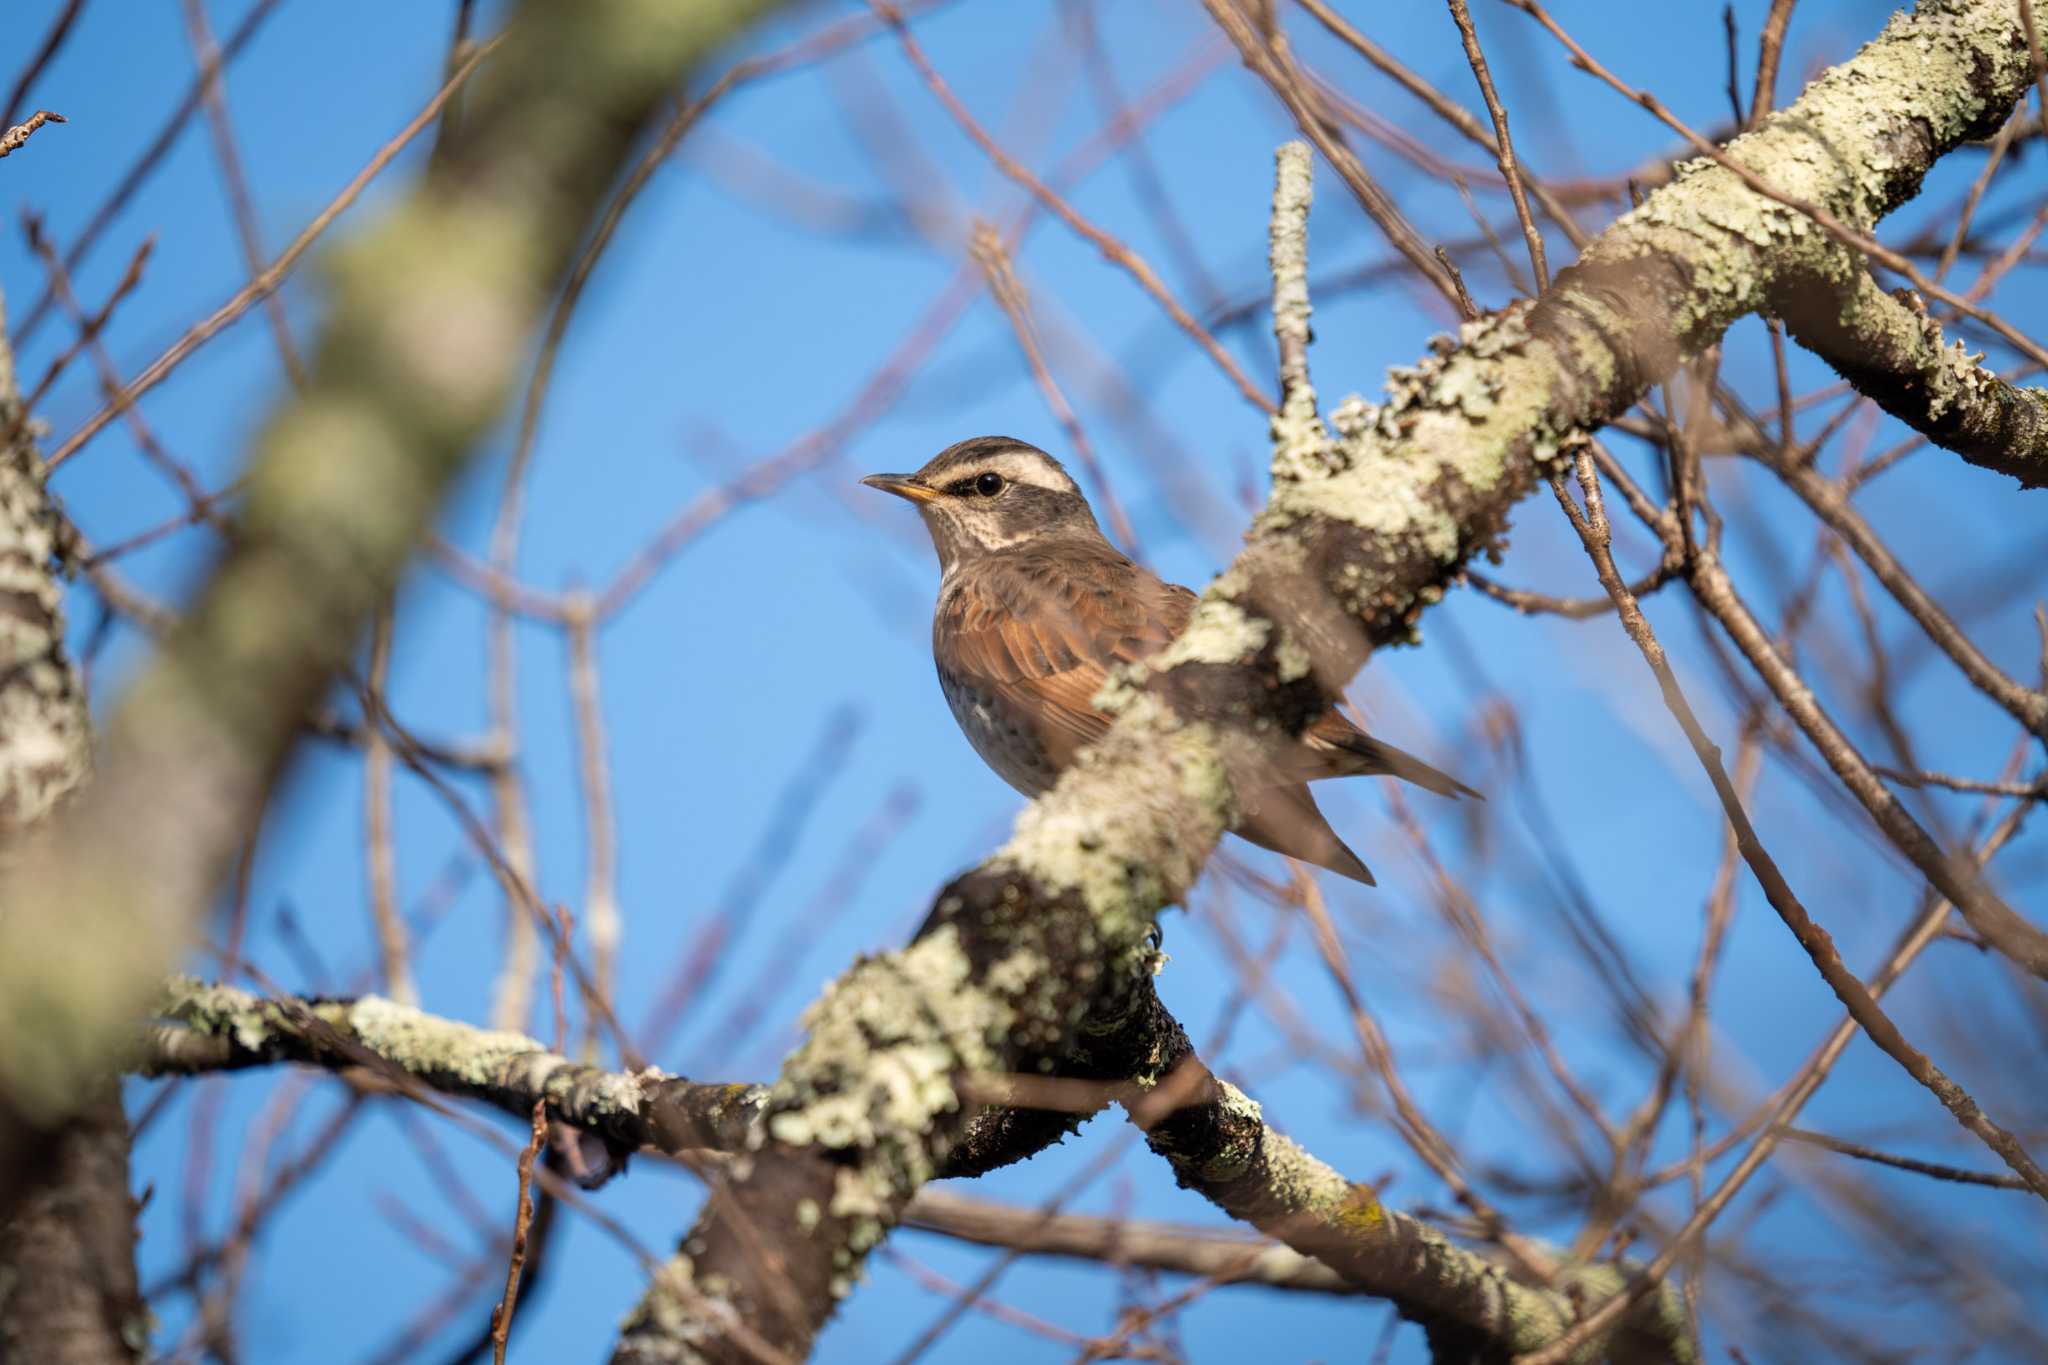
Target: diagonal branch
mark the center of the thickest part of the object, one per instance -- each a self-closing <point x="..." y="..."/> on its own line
<point x="1888" y="347"/>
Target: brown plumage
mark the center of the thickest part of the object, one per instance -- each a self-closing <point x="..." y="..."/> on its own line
<point x="1036" y="607"/>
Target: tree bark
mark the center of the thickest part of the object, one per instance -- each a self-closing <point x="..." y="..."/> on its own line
<point x="68" y="1291"/>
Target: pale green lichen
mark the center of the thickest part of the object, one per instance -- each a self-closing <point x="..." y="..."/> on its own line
<point x="1220" y="632"/>
<point x="1460" y="412"/>
<point x="1125" y="827"/>
<point x="1241" y="1114"/>
<point x="882" y="1047"/>
<point x="420" y="1042"/>
<point x="220" y="1010"/>
<point x="1297" y="431"/>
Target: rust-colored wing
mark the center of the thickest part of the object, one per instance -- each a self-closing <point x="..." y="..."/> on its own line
<point x="1041" y="630"/>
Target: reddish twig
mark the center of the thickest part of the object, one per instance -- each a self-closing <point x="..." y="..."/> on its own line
<point x="522" y="1223"/>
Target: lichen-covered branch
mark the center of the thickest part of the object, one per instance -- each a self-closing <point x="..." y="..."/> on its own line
<point x="45" y="729"/>
<point x="218" y="1028"/>
<point x="1362" y="532"/>
<point x="1888" y="347"/>
<point x="68" y="1291"/>
<point x="431" y="314"/>
<point x="1337" y="1238"/>
<point x="1219" y="1145"/>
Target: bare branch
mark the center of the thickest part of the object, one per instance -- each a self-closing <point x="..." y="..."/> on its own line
<point x="14" y="138"/>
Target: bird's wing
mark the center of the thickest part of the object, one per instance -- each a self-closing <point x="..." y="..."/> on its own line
<point x="1042" y="630"/>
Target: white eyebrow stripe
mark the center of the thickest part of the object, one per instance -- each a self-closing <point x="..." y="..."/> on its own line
<point x="1020" y="466"/>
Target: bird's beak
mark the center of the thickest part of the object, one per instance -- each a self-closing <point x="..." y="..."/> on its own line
<point x="903" y="486"/>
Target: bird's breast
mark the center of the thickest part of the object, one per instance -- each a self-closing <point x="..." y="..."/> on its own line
<point x="1001" y="732"/>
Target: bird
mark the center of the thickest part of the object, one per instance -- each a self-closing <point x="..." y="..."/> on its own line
<point x="1036" y="607"/>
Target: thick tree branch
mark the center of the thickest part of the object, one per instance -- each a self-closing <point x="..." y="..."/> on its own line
<point x="205" y="1028"/>
<point x="1360" y="535"/>
<point x="68" y="1291"/>
<point x="68" y="1288"/>
<point x="1892" y="351"/>
<point x="429" y="325"/>
<point x="1337" y="1237"/>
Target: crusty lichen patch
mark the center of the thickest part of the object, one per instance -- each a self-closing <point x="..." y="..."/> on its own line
<point x="1128" y="826"/>
<point x="45" y="731"/>
<point x="421" y="1043"/>
<point x="444" y="1052"/>
<point x="1463" y="413"/>
<point x="1220" y="632"/>
<point x="877" y="1064"/>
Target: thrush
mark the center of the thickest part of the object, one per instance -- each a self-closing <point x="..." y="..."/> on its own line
<point x="1036" y="607"/>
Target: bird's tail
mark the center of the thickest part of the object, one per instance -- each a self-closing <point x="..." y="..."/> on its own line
<point x="1377" y="757"/>
<point x="1285" y="819"/>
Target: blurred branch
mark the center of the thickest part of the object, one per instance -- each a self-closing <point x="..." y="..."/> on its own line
<point x="68" y="1290"/>
<point x="1933" y="1169"/>
<point x="430" y="319"/>
<point x="262" y="283"/>
<point x="1183" y="1249"/>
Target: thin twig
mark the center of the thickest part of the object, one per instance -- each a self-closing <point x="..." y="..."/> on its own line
<point x="1860" y="1001"/>
<point x="1770" y="47"/>
<point x="522" y="1223"/>
<point x="1113" y="250"/>
<point x="1842" y="232"/>
<point x="146" y="162"/>
<point x="1266" y="54"/>
<point x="60" y="29"/>
<point x="985" y="245"/>
<point x="379" y="849"/>
<point x="1937" y="1170"/>
<point x="241" y="204"/>
<point x="1511" y="173"/>
<point x="272" y="275"/>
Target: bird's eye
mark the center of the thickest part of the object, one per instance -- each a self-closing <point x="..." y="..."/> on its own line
<point x="989" y="484"/>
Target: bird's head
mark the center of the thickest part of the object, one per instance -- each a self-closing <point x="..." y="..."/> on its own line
<point x="989" y="494"/>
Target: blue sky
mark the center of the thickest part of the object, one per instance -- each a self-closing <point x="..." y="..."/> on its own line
<point x="769" y="696"/>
